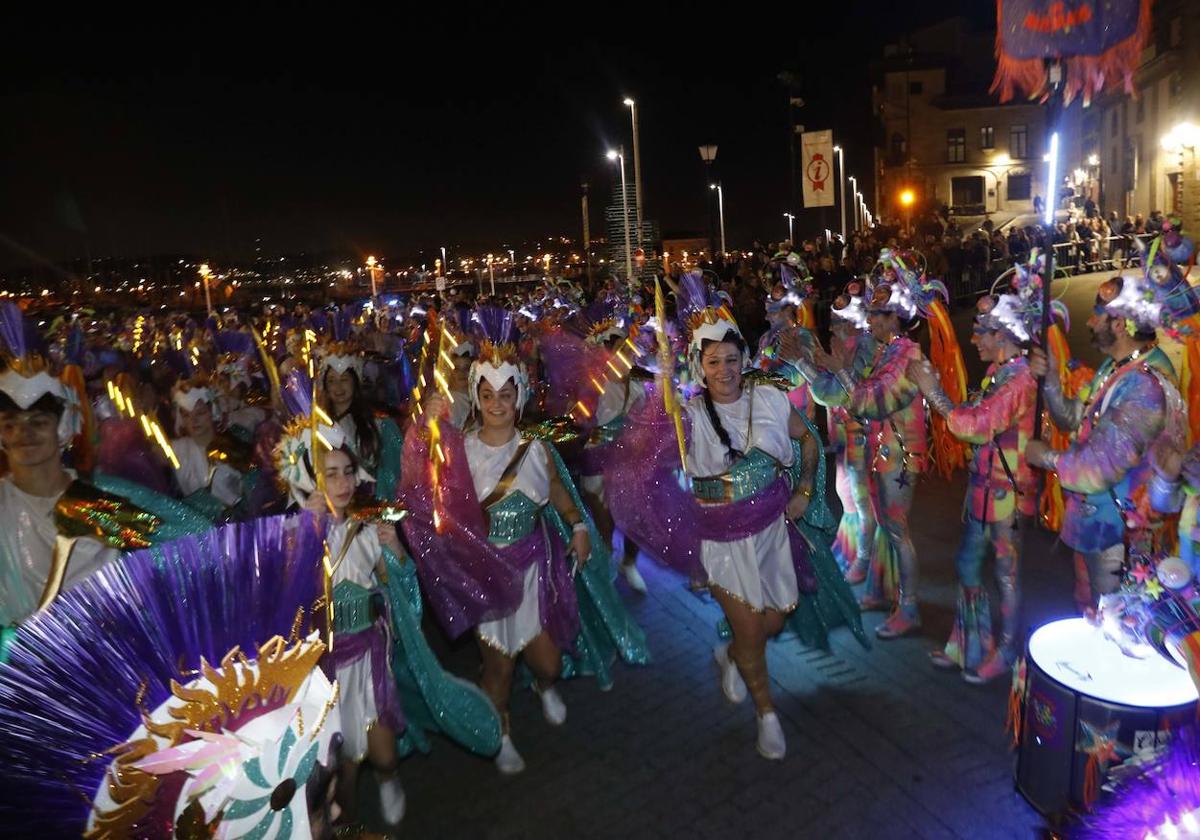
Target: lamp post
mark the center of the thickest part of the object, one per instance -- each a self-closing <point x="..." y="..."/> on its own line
<point x="619" y="156"/>
<point x="372" y="267"/>
<point x="854" y="224"/>
<point x="205" y="273"/>
<point x="842" y="185"/>
<point x="790" y="219"/>
<point x="721" y="212"/>
<point x="708" y="154"/>
<point x="491" y="275"/>
<point x="906" y="201"/>
<point x="637" y="167"/>
<point x="445" y="265"/>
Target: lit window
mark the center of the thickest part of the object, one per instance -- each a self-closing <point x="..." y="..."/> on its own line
<point x="987" y="137"/>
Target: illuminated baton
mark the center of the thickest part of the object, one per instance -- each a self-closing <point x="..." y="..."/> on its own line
<point x="665" y="367"/>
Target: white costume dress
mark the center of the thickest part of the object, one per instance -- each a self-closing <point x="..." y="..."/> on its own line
<point x="756" y="570"/>
<point x="357" y="692"/>
<point x="513" y="632"/>
<point x="27" y="537"/>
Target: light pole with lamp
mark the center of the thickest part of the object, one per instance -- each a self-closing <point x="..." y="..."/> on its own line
<point x="372" y="267"/>
<point x="619" y="155"/>
<point x="842" y="185"/>
<point x="491" y="275"/>
<point x="906" y="201"/>
<point x="721" y="212"/>
<point x="854" y="201"/>
<point x="708" y="154"/>
<point x="205" y="273"/>
<point x="637" y="167"/>
<point x="790" y="219"/>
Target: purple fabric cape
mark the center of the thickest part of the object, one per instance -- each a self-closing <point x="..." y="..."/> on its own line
<point x="569" y="362"/>
<point x="467" y="579"/>
<point x="375" y="643"/>
<point x="650" y="505"/>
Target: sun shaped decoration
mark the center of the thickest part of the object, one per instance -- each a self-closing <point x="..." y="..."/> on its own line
<point x="228" y="753"/>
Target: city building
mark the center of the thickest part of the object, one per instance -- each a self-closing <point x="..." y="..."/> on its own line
<point x="1141" y="151"/>
<point x="646" y="262"/>
<point x="941" y="136"/>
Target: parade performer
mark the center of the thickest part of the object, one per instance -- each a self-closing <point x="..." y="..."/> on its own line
<point x="374" y="437"/>
<point x="1130" y="404"/>
<point x="56" y="527"/>
<point x="755" y="470"/>
<point x="887" y="404"/>
<point x="393" y="691"/>
<point x="998" y="422"/>
<point x="185" y="693"/>
<point x="849" y="339"/>
<point x="788" y="313"/>
<point x="208" y="474"/>
<point x="499" y="533"/>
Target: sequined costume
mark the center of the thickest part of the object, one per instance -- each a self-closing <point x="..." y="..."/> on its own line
<point x="997" y="422"/>
<point x="1104" y="474"/>
<point x="887" y="405"/>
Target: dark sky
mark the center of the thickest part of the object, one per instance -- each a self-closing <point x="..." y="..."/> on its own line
<point x="393" y="135"/>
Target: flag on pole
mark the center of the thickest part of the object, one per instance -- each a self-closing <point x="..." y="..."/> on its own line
<point x="1099" y="44"/>
<point x="816" y="151"/>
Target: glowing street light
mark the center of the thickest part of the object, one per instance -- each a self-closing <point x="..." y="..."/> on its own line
<point x="205" y="273"/>
<point x="721" y="214"/>
<point x="790" y="219"/>
<point x="906" y="200"/>
<point x="619" y="155"/>
<point x="372" y="267"/>
<point x="854" y="200"/>
<point x="637" y="166"/>
<point x="842" y="181"/>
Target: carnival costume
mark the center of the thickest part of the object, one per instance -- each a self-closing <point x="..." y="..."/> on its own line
<point x="793" y="292"/>
<point x="491" y="552"/>
<point x="998" y="422"/>
<point x="382" y="660"/>
<point x="887" y="404"/>
<point x="173" y="693"/>
<point x="729" y="529"/>
<point x="1129" y="404"/>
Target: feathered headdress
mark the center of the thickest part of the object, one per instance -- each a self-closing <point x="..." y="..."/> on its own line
<point x="1159" y="295"/>
<point x="337" y="350"/>
<point x="1018" y="311"/>
<point x="498" y="360"/>
<point x="188" y="393"/>
<point x="901" y="285"/>
<point x="172" y="689"/>
<point x="707" y="317"/>
<point x="457" y="323"/>
<point x="28" y="377"/>
<point x="293" y="454"/>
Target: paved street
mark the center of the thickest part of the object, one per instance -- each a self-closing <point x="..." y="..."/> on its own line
<point x="880" y="745"/>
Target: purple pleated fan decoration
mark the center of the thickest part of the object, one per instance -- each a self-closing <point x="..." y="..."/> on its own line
<point x="695" y="294"/>
<point x="297" y="393"/>
<point x="235" y="341"/>
<point x="18" y="336"/>
<point x="79" y="669"/>
<point x="75" y="348"/>
<point x="339" y="324"/>
<point x="495" y="324"/>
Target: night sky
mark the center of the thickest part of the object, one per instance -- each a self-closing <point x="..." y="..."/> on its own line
<point x="392" y="136"/>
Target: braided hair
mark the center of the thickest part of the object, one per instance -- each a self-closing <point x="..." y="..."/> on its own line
<point x="732" y="454"/>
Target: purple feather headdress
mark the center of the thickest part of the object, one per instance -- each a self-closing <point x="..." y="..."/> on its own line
<point x="84" y="673"/>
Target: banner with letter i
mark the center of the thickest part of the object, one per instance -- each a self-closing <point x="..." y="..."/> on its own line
<point x="816" y="154"/>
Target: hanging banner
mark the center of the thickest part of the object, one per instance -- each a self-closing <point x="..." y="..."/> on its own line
<point x="816" y="153"/>
<point x="1098" y="41"/>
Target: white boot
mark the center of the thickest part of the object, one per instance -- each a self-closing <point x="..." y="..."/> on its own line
<point x="553" y="707"/>
<point x="633" y="577"/>
<point x="771" y="743"/>
<point x="508" y="760"/>
<point x="391" y="800"/>
<point x="732" y="684"/>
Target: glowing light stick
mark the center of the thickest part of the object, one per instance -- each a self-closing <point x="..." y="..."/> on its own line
<point x="666" y="366"/>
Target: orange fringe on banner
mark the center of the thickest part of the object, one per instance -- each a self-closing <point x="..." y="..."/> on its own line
<point x="949" y="453"/>
<point x="1086" y="75"/>
<point x="83" y="450"/>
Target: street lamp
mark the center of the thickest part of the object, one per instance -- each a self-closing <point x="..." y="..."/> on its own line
<point x="708" y="153"/>
<point x="619" y="155"/>
<point x="906" y="201"/>
<point x="721" y="211"/>
<point x="842" y="182"/>
<point x="372" y="267"/>
<point x="854" y="199"/>
<point x="790" y="218"/>
<point x="205" y="273"/>
<point x="445" y="264"/>
<point x="491" y="275"/>
<point x="637" y="167"/>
